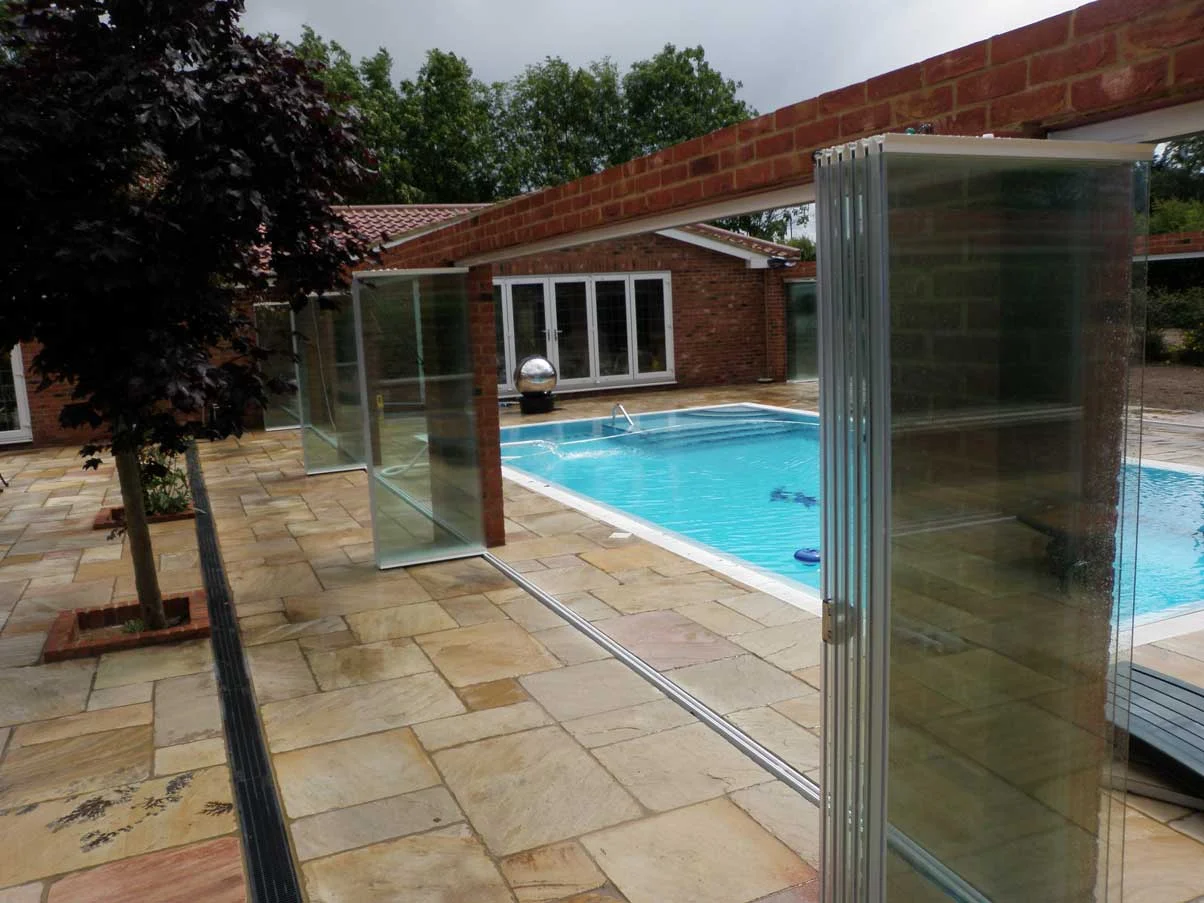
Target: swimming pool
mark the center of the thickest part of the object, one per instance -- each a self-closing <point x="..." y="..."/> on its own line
<point x="744" y="481"/>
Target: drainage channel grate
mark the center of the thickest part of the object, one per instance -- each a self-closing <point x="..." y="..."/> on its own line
<point x="270" y="871"/>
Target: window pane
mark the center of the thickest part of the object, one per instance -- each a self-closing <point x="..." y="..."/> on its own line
<point x="530" y="322"/>
<point x="572" y="330"/>
<point x="802" y="350"/>
<point x="650" y="326"/>
<point x="274" y="329"/>
<point x="10" y="418"/>
<point x="499" y="330"/>
<point x="611" y="296"/>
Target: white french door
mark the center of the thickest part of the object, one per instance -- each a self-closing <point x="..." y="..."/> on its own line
<point x="15" y="423"/>
<point x="597" y="330"/>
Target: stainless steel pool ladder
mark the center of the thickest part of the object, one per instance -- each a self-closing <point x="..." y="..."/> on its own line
<point x="619" y="409"/>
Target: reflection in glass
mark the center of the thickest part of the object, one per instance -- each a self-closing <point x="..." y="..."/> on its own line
<point x="610" y="295"/>
<point x="499" y="332"/>
<point x="1010" y="315"/>
<point x="650" y="341"/>
<point x="530" y="320"/>
<point x="419" y="422"/>
<point x="10" y="413"/>
<point x="328" y="387"/>
<point x="572" y="330"/>
<point x="802" y="337"/>
<point x="274" y="330"/>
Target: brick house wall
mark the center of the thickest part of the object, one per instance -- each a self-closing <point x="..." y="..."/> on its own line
<point x="719" y="304"/>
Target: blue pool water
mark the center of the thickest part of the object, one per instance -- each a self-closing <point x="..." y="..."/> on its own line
<point x="745" y="481"/>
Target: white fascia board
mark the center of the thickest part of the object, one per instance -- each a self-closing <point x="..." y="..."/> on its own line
<point x="752" y="259"/>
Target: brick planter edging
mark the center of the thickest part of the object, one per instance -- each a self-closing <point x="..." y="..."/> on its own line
<point x="108" y="518"/>
<point x="67" y="640"/>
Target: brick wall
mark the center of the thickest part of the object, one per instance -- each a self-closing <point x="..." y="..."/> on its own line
<point x="1105" y="60"/>
<point x="719" y="305"/>
<point x="1172" y="243"/>
<point x="45" y="405"/>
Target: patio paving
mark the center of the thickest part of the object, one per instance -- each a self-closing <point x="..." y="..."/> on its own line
<point x="437" y="734"/>
<point x="113" y="782"/>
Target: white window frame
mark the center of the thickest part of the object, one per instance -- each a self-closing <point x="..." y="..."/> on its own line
<point x="633" y="377"/>
<point x="24" y="430"/>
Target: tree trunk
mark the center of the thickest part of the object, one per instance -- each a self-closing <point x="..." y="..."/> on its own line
<point x="146" y="579"/>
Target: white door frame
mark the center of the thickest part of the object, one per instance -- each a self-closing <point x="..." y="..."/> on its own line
<point x="24" y="430"/>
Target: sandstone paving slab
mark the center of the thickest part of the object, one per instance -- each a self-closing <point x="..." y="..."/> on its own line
<point x="352" y="711"/>
<point x="152" y="663"/>
<point x="806" y="710"/>
<point x="352" y="665"/>
<point x="786" y="815"/>
<point x="671" y="858"/>
<point x="718" y="617"/>
<point x="279" y="671"/>
<point x="356" y="826"/>
<point x="503" y="782"/>
<point x="299" y="631"/>
<point x="21" y="649"/>
<point x="348" y="600"/>
<point x="493" y="694"/>
<point x="570" y="645"/>
<point x="81" y="724"/>
<point x="26" y="893"/>
<point x="190" y="756"/>
<point x="551" y="873"/>
<point x="765" y="609"/>
<point x="47" y="691"/>
<point x="211" y="872"/>
<point x="486" y="652"/>
<point x="466" y="576"/>
<point x="399" y="621"/>
<point x="444" y="866"/>
<point x="589" y="688"/>
<point x="573" y="579"/>
<point x="666" y="639"/>
<point x="472" y="609"/>
<point x="187" y="709"/>
<point x="662" y="593"/>
<point x="446" y="732"/>
<point x="79" y="832"/>
<point x="742" y="682"/>
<point x="637" y="554"/>
<point x="273" y="581"/>
<point x="348" y="772"/>
<point x="790" y="646"/>
<point x="60" y="768"/>
<point x="628" y="723"/>
<point x="679" y="766"/>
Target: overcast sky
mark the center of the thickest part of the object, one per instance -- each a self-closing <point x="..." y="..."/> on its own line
<point x="781" y="51"/>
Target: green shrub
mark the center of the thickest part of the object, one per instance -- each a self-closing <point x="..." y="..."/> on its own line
<point x="1155" y="346"/>
<point x="1175" y="309"/>
<point x="1176" y="215"/>
<point x="1192" y="349"/>
<point x="164" y="483"/>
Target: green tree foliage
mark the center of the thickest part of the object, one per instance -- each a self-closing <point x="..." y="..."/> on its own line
<point x="1178" y="171"/>
<point x="676" y="96"/>
<point x="150" y="154"/>
<point x="448" y="131"/>
<point x="557" y="123"/>
<point x="1176" y="215"/>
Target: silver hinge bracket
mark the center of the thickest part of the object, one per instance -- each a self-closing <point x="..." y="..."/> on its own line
<point x="828" y="627"/>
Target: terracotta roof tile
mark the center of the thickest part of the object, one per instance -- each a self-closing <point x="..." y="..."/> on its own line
<point x="747" y="242"/>
<point x="374" y="220"/>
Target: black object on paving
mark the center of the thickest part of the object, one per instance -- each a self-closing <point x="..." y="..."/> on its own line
<point x="271" y="874"/>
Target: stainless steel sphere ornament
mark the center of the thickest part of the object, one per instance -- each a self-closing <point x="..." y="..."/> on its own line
<point x="535" y="378"/>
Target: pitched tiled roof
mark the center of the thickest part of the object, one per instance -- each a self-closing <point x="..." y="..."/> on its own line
<point x="374" y="220"/>
<point x="747" y="242"/>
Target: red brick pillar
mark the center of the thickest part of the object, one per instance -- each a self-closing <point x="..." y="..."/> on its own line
<point x="484" y="364"/>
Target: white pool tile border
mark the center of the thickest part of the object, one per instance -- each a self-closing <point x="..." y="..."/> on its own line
<point x="800" y="597"/>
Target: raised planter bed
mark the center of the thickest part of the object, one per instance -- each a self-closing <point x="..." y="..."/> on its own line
<point x="84" y="632"/>
<point x="111" y="518"/>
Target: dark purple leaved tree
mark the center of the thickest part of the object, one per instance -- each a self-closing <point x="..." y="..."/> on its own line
<point x="153" y="156"/>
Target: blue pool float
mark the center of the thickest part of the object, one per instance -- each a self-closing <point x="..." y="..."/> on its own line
<point x="807" y="556"/>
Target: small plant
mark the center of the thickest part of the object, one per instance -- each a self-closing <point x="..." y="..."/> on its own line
<point x="164" y="483"/>
<point x="133" y="625"/>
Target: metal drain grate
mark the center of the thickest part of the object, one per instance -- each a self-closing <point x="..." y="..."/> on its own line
<point x="270" y="871"/>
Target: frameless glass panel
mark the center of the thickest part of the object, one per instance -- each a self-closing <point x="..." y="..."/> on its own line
<point x="274" y="328"/>
<point x="328" y="388"/>
<point x="802" y="345"/>
<point x="650" y="327"/>
<point x="1010" y="327"/>
<point x="499" y="331"/>
<point x="10" y="413"/>
<point x="610" y="296"/>
<point x="530" y="319"/>
<point x="572" y="330"/>
<point x="420" y="425"/>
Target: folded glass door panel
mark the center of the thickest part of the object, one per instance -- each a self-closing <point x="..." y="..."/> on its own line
<point x="530" y="320"/>
<point x="274" y="332"/>
<point x="328" y="387"/>
<point x="573" y="351"/>
<point x="979" y="329"/>
<point x="419" y="423"/>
